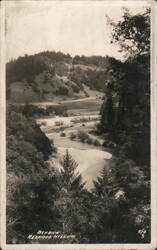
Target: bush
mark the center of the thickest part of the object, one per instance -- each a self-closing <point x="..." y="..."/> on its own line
<point x="62" y="134"/>
<point x="65" y="114"/>
<point x="62" y="90"/>
<point x="83" y="136"/>
<point x="61" y="69"/>
<point x="58" y="110"/>
<point x="90" y="140"/>
<point x="96" y="143"/>
<point x="75" y="88"/>
<point x="86" y="93"/>
<point x="72" y="136"/>
<point x="43" y="123"/>
<point x="58" y="123"/>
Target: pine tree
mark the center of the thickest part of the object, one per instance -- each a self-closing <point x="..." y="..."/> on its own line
<point x="104" y="185"/>
<point x="70" y="196"/>
<point x="71" y="180"/>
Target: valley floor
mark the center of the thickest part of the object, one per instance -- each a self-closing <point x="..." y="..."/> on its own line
<point x="90" y="158"/>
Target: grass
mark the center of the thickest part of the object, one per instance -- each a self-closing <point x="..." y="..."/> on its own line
<point x="87" y="105"/>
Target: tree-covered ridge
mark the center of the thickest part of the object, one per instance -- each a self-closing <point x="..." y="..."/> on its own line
<point x="98" y="61"/>
<point x="44" y="75"/>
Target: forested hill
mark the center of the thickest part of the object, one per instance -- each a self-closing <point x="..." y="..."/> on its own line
<point x="46" y="75"/>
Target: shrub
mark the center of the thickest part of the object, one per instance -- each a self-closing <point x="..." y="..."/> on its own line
<point x="61" y="69"/>
<point x="83" y="136"/>
<point x="58" y="109"/>
<point x="96" y="143"/>
<point x="58" y="123"/>
<point x="65" y="114"/>
<point x="86" y="93"/>
<point x="43" y="123"/>
<point x="90" y="140"/>
<point x="62" y="90"/>
<point x="72" y="136"/>
<point x="62" y="134"/>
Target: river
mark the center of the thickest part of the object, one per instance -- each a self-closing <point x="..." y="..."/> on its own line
<point x="91" y="159"/>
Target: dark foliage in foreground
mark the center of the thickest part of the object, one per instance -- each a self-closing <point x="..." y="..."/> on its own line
<point x="126" y="108"/>
<point x="125" y="123"/>
<point x="31" y="185"/>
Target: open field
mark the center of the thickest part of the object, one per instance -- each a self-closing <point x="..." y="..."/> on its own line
<point x="89" y="104"/>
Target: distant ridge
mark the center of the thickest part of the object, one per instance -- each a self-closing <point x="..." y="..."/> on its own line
<point x="48" y="75"/>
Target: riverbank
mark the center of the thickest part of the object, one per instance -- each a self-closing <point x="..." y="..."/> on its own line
<point x="90" y="158"/>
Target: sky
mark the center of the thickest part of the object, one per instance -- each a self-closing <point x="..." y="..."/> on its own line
<point x="74" y="27"/>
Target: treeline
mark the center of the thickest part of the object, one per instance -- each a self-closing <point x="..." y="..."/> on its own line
<point x="30" y="110"/>
<point x="30" y="65"/>
<point x="125" y="115"/>
<point x="56" y="56"/>
<point x="126" y="108"/>
<point x="98" y="61"/>
<point x="25" y="68"/>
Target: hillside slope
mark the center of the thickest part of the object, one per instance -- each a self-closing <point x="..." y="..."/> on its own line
<point x="53" y="75"/>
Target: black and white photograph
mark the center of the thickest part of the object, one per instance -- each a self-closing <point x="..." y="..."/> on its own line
<point x="78" y="154"/>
